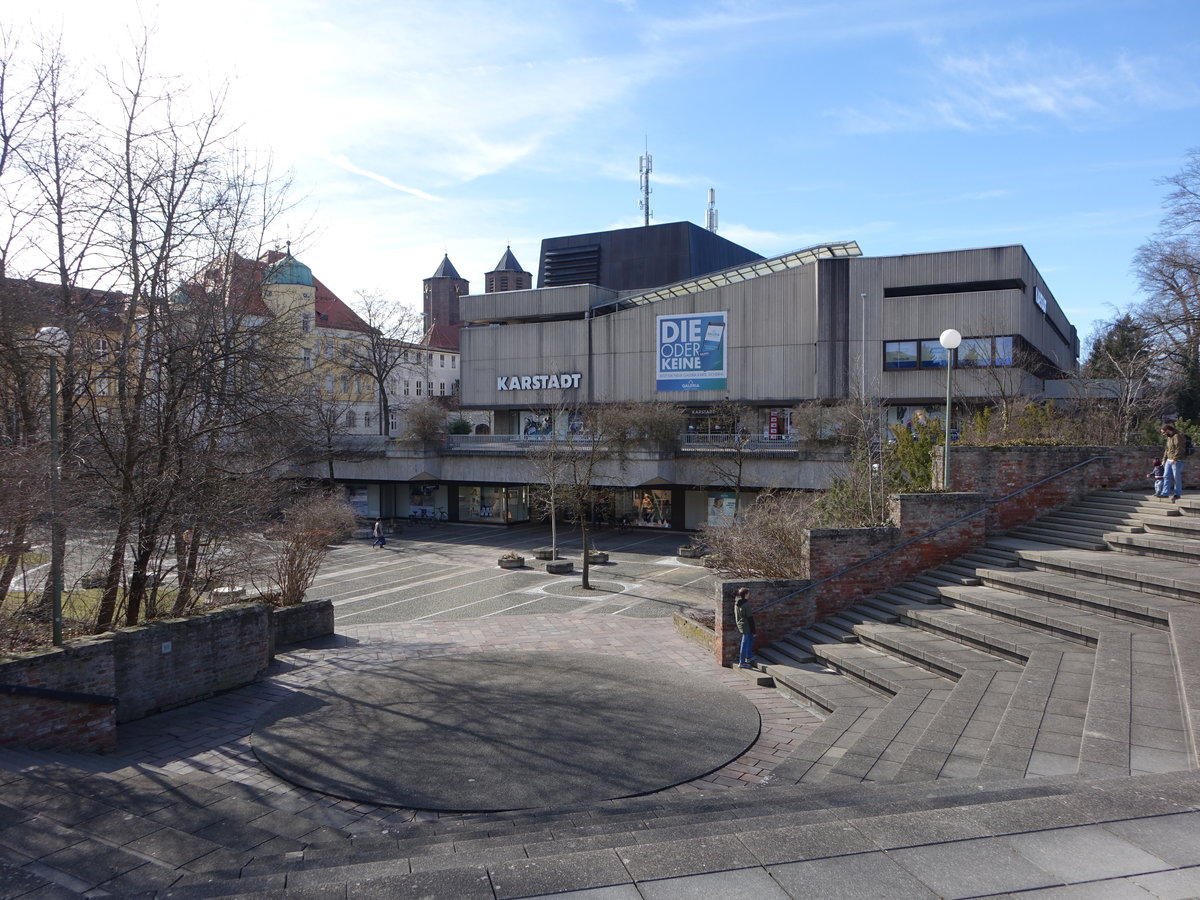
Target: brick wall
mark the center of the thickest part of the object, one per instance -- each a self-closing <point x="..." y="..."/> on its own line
<point x="151" y="668"/>
<point x="84" y="666"/>
<point x="302" y="622"/>
<point x="847" y="564"/>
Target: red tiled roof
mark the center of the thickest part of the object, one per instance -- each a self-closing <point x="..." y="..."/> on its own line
<point x="442" y="337"/>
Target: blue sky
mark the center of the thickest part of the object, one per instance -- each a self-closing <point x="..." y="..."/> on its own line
<point x="415" y="128"/>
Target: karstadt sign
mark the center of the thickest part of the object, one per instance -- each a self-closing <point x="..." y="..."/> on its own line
<point x="538" y="382"/>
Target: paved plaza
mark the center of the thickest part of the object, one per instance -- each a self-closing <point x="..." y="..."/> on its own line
<point x="185" y="809"/>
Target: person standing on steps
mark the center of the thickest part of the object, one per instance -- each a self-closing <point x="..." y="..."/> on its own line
<point x="380" y="540"/>
<point x="744" y="619"/>
<point x="1173" y="454"/>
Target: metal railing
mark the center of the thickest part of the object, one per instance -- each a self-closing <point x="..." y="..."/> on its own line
<point x="931" y="533"/>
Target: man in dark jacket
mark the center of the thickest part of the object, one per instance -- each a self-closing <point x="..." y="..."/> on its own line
<point x="744" y="619"/>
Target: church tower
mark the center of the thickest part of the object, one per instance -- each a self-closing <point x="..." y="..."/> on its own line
<point x="441" y="294"/>
<point x="507" y="276"/>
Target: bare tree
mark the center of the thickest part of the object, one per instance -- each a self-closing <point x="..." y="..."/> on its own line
<point x="388" y="348"/>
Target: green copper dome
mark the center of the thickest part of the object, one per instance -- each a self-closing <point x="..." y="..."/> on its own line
<point x="289" y="270"/>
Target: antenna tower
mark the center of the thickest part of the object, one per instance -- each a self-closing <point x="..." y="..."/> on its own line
<point x="710" y="215"/>
<point x="645" y="167"/>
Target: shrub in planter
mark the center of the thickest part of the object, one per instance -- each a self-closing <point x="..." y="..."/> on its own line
<point x="597" y="556"/>
<point x="691" y="551"/>
<point x="511" y="560"/>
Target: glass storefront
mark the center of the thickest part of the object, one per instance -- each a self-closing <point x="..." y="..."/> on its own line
<point x="722" y="508"/>
<point x="493" y="505"/>
<point x="652" y="508"/>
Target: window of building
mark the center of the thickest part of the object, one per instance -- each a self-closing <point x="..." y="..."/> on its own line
<point x="329" y="384"/>
<point x="933" y="355"/>
<point x="1004" y="351"/>
<point x="442" y="360"/>
<point x="975" y="353"/>
<point x="418" y="389"/>
<point x="358" y="385"/>
<point x="900" y="354"/>
<point x="391" y="420"/>
<point x="306" y="322"/>
<point x="453" y="362"/>
<point x="329" y="349"/>
<point x="366" y="420"/>
<point x="405" y="387"/>
<point x="306" y="355"/>
<point x="345" y="384"/>
<point x="351" y="419"/>
<point x="103" y="349"/>
<point x="442" y="388"/>
<point x="429" y="387"/>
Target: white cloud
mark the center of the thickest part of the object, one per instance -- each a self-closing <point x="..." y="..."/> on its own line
<point x="1021" y="86"/>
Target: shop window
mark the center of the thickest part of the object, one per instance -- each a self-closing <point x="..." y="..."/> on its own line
<point x="900" y="355"/>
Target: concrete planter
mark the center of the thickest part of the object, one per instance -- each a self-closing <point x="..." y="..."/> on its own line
<point x="228" y="593"/>
<point x="560" y="567"/>
<point x="596" y="557"/>
<point x="544" y="553"/>
<point x="689" y="551"/>
<point x="517" y="563"/>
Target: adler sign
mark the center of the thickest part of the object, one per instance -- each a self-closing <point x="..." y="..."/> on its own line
<point x="537" y="382"/>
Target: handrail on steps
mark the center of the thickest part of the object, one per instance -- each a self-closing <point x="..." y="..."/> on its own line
<point x="929" y="534"/>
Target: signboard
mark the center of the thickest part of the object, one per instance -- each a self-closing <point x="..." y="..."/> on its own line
<point x="537" y="382"/>
<point x="691" y="352"/>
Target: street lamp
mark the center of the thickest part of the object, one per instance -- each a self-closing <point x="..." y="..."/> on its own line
<point x="950" y="339"/>
<point x="53" y="342"/>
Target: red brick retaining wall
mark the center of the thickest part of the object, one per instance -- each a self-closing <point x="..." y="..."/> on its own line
<point x="847" y="564"/>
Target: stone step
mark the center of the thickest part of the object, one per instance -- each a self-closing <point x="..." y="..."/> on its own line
<point x="1091" y="528"/>
<point x="1028" y="620"/>
<point x="954" y="744"/>
<point x="861" y="613"/>
<point x="1135" y="721"/>
<point x="1177" y="526"/>
<point x="1112" y="593"/>
<point x="912" y="592"/>
<point x="1059" y="537"/>
<point x="937" y="653"/>
<point x="990" y="558"/>
<point x="827" y="631"/>
<point x="1169" y="547"/>
<point x="936" y="578"/>
<point x="879" y="670"/>
<point x="881" y="748"/>
<point x="806" y="822"/>
<point x="995" y="637"/>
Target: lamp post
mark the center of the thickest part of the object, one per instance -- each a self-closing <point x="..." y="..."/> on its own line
<point x="949" y="339"/>
<point x="54" y="342"/>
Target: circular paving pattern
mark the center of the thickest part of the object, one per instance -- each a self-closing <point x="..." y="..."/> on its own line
<point x="507" y="730"/>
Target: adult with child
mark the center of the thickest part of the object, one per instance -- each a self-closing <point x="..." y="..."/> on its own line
<point x="1173" y="456"/>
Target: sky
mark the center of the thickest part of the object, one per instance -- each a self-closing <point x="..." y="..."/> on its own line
<point x="415" y="128"/>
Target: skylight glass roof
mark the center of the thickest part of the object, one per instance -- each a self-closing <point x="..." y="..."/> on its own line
<point x="833" y="250"/>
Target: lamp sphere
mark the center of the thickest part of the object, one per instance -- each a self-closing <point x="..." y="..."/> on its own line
<point x="53" y="340"/>
<point x="950" y="339"/>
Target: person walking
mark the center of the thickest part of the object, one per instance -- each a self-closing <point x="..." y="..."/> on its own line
<point x="380" y="540"/>
<point x="1173" y="455"/>
<point x="744" y="619"/>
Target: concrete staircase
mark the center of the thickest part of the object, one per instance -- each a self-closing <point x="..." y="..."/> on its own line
<point x="142" y="832"/>
<point x="1065" y="647"/>
<point x="1068" y="649"/>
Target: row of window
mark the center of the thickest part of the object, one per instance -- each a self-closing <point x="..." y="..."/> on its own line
<point x="928" y="353"/>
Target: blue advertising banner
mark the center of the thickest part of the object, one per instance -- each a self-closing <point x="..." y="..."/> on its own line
<point x="691" y="352"/>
